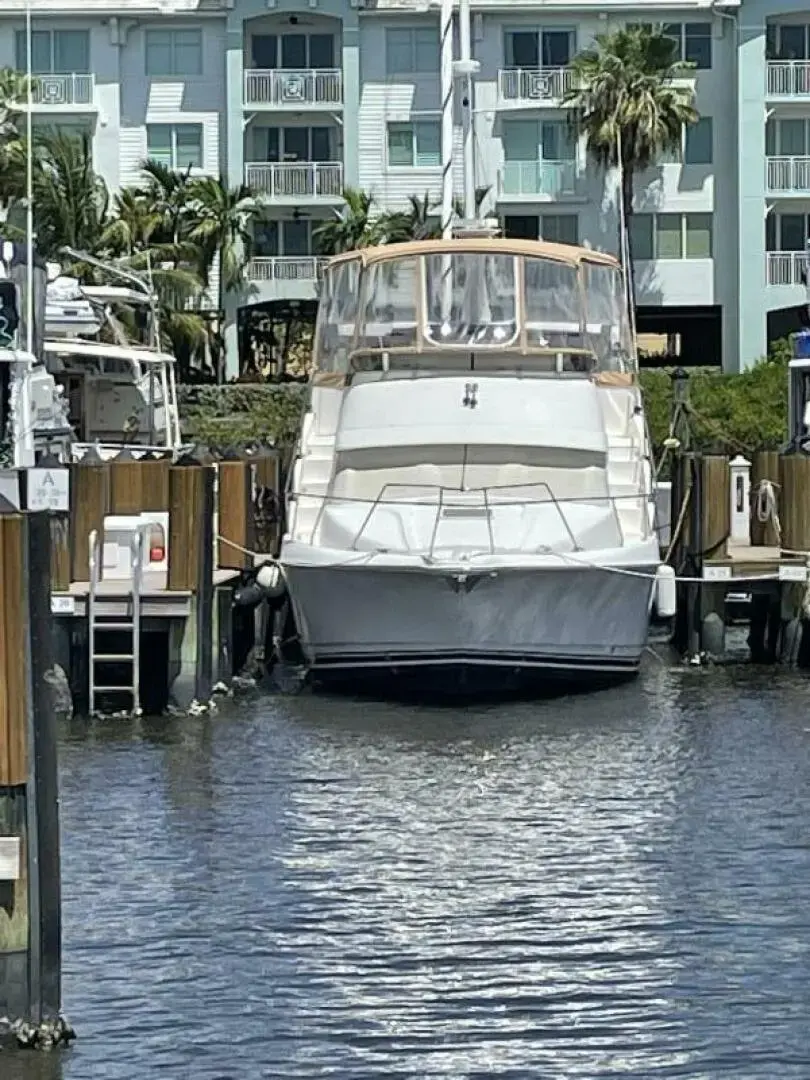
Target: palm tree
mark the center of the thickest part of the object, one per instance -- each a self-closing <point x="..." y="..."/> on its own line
<point x="13" y="95"/>
<point x="219" y="224"/>
<point x="71" y="202"/>
<point x="132" y="224"/>
<point x="166" y="192"/>
<point x="353" y="227"/>
<point x="627" y="104"/>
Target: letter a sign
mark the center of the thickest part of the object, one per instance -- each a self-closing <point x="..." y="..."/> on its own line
<point x="48" y="489"/>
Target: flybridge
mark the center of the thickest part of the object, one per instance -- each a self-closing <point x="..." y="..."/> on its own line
<point x="68" y="312"/>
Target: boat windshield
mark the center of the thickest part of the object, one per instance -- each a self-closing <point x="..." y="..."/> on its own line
<point x="471" y="299"/>
<point x="482" y="300"/>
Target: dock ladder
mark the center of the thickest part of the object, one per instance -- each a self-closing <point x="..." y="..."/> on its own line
<point x="127" y="626"/>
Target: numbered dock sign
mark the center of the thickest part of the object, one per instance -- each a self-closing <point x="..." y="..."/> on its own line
<point x="48" y="489"/>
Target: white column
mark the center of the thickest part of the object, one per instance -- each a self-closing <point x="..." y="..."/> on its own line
<point x="740" y="501"/>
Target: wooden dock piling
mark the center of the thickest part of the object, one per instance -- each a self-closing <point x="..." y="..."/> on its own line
<point x="794" y="483"/>
<point x="30" y="905"/>
<point x="236" y="525"/>
<point x="89" y="503"/>
<point x="191" y="569"/>
<point x="714" y="532"/>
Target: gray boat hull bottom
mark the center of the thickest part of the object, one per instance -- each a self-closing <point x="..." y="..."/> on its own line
<point x="566" y="622"/>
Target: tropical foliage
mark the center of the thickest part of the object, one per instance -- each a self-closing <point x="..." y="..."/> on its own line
<point x="628" y="103"/>
<point x="731" y="413"/>
<point x="180" y="232"/>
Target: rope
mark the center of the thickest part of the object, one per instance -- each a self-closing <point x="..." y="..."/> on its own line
<point x="679" y="524"/>
<point x="714" y="429"/>
<point x="243" y="550"/>
<point x="765" y="506"/>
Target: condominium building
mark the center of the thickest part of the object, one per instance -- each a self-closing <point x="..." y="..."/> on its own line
<point x="303" y="98"/>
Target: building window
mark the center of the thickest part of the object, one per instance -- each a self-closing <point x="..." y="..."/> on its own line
<point x="693" y="41"/>
<point x="671" y="236"/>
<point x="538" y="140"/>
<point x="55" y="52"/>
<point x="412" y="52"/>
<point x="179" y="146"/>
<point x="521" y="226"/>
<point x="291" y="144"/>
<point x="786" y="232"/>
<point x="786" y="138"/>
<point x="285" y="239"/>
<point x="560" y="228"/>
<point x="556" y="228"/>
<point x="539" y="48"/>
<point x="173" y="52"/>
<point x="698" y="146"/>
<point x="291" y="52"/>
<point x="789" y="41"/>
<point x="416" y="145"/>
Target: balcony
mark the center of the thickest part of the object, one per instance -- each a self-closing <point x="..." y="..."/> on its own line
<point x="537" y="181"/>
<point x="526" y="88"/>
<point x="294" y="90"/>
<point x="785" y="267"/>
<point x="295" y="182"/>
<point x="304" y="268"/>
<point x="788" y="79"/>
<point x="64" y="92"/>
<point x="787" y="176"/>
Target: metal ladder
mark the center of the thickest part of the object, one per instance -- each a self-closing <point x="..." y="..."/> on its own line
<point x="130" y="624"/>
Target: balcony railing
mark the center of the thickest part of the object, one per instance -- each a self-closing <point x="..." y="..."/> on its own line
<point x="786" y="267"/>
<point x="788" y="78"/>
<point x="788" y="175"/>
<point x="294" y="89"/>
<point x="533" y="86"/>
<point x="63" y="90"/>
<point x="530" y="179"/>
<point x="286" y="268"/>
<point x="299" y="180"/>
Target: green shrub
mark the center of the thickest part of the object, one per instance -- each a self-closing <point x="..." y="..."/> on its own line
<point x="223" y="416"/>
<point x="730" y="413"/>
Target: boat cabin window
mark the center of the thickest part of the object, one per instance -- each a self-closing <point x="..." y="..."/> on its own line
<point x="553" y="305"/>
<point x="402" y="312"/>
<point x="607" y="325"/>
<point x="337" y="316"/>
<point x="471" y="299"/>
<point x="116" y="366"/>
<point x="389" y="305"/>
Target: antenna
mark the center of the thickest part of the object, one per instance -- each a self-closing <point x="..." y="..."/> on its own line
<point x="29" y="185"/>
<point x="446" y="72"/>
<point x="624" y="249"/>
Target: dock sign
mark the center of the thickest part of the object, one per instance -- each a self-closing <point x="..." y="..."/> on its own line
<point x="48" y="489"/>
<point x="9" y="858"/>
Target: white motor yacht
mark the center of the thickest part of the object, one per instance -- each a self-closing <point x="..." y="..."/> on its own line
<point x="107" y="394"/>
<point x="472" y="487"/>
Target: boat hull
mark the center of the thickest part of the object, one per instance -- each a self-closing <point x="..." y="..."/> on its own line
<point x="565" y="622"/>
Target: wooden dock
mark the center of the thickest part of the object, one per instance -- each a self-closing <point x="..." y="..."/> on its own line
<point x="205" y="526"/>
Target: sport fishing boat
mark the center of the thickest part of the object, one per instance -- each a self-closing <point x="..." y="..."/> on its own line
<point x="472" y="487"/>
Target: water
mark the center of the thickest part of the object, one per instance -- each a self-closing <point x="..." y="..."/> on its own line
<point x="605" y="886"/>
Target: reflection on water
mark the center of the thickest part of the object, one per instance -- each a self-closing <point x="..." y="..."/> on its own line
<point x="312" y="886"/>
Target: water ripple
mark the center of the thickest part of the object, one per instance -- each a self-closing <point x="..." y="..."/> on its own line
<point x="315" y="887"/>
